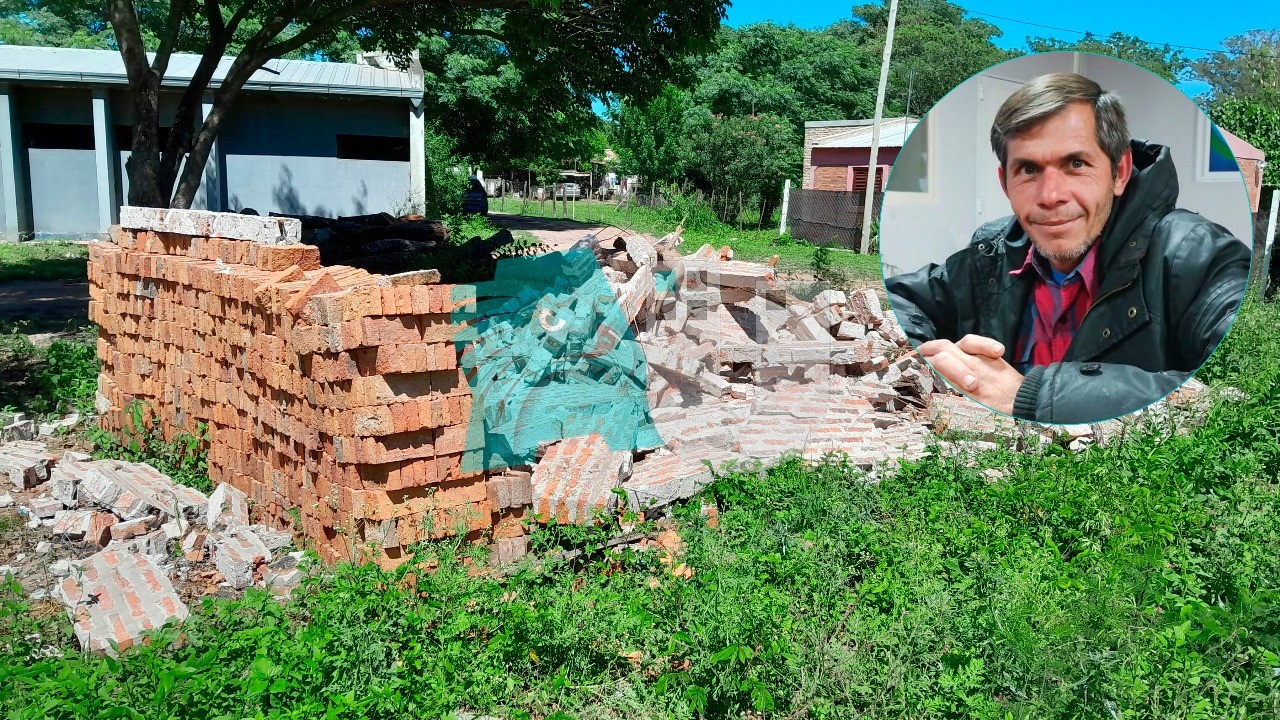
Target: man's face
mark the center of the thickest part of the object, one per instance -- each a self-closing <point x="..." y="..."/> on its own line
<point x="1060" y="184"/>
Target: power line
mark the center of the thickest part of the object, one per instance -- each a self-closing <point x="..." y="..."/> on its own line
<point x="1087" y="32"/>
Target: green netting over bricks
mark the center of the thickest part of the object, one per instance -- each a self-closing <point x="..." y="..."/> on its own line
<point x="548" y="354"/>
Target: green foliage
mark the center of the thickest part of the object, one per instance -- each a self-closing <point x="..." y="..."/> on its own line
<point x="1245" y="70"/>
<point x="741" y="159"/>
<point x="1133" y="581"/>
<point x="447" y="179"/>
<point x="68" y="376"/>
<point x="28" y="23"/>
<point x="1255" y="123"/>
<point x="1169" y="63"/>
<point x="798" y="74"/>
<point x="647" y="137"/>
<point x="43" y="260"/>
<point x="480" y="97"/>
<point x="52" y="380"/>
<point x="935" y="48"/>
<point x="184" y="457"/>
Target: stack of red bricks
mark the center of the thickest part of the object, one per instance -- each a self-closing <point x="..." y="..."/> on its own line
<point x="328" y="390"/>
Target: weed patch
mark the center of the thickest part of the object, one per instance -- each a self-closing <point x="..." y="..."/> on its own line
<point x="183" y="457"/>
<point x="48" y="381"/>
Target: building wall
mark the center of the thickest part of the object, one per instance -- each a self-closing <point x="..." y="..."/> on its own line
<point x="832" y="167"/>
<point x="815" y="135"/>
<point x="281" y="155"/>
<point x="63" y="192"/>
<point x="1252" y="180"/>
<point x="276" y="153"/>
<point x="923" y="227"/>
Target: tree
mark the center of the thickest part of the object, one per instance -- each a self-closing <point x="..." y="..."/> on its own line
<point x="935" y="48"/>
<point x="1248" y="69"/>
<point x="1255" y="123"/>
<point x="785" y="70"/>
<point x="743" y="157"/>
<point x="500" y="115"/>
<point x="1164" y="61"/>
<point x="647" y="137"/>
<point x="26" y="23"/>
<point x="603" y="46"/>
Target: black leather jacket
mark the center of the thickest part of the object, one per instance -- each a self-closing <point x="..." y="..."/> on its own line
<point x="1170" y="282"/>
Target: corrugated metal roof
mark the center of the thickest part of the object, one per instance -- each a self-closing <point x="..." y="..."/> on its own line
<point x="106" y="67"/>
<point x="890" y="135"/>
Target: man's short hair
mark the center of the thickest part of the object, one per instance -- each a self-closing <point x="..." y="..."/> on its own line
<point x="1048" y="95"/>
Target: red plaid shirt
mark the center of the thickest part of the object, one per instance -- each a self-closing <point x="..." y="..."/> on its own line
<point x="1058" y="304"/>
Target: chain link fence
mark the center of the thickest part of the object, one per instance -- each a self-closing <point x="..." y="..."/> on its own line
<point x="829" y="216"/>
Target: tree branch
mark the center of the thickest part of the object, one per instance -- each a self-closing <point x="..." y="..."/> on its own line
<point x="319" y="27"/>
<point x="213" y="14"/>
<point x="124" y="22"/>
<point x="172" y="27"/>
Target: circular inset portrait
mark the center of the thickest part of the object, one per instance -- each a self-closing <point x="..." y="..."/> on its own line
<point x="1065" y="237"/>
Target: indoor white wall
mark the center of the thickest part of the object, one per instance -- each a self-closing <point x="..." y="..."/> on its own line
<point x="964" y="190"/>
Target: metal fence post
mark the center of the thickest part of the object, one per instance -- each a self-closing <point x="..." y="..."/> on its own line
<point x="786" y="203"/>
<point x="1265" y="277"/>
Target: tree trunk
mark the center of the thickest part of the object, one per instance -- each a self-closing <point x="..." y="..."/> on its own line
<point x="144" y="162"/>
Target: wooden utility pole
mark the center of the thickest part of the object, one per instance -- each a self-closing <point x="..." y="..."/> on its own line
<point x="875" y="129"/>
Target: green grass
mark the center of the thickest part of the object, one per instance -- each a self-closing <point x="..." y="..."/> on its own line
<point x="43" y="260"/>
<point x="700" y="228"/>
<point x="1135" y="581"/>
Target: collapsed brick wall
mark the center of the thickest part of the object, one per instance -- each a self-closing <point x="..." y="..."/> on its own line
<point x="325" y="389"/>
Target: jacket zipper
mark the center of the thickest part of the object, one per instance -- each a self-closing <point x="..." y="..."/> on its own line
<point x="1098" y="302"/>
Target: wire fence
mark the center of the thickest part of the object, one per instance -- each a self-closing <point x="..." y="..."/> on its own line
<point x="829" y="216"/>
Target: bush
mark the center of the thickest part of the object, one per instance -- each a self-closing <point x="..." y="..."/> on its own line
<point x="52" y="380"/>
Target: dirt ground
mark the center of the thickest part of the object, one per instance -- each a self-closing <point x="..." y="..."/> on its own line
<point x="556" y="234"/>
<point x="48" y="307"/>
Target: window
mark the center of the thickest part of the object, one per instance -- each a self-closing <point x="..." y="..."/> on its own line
<point x="373" y="147"/>
<point x="1215" y="162"/>
<point x="124" y="137"/>
<point x="55" y="136"/>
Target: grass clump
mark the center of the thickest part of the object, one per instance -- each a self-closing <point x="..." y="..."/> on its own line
<point x="1132" y="581"/>
<point x="43" y="260"/>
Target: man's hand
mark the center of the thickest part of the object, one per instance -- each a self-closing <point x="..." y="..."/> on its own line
<point x="976" y="366"/>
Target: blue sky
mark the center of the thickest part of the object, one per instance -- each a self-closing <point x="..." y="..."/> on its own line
<point x="1176" y="22"/>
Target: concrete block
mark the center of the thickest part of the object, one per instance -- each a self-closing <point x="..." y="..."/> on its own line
<point x="116" y="597"/>
<point x="273" y="540"/>
<point x="850" y="331"/>
<point x="65" y="477"/>
<point x="102" y="487"/>
<point x="226" y="507"/>
<point x="25" y="463"/>
<point x="130" y="529"/>
<point x="576" y="478"/>
<point x="203" y="223"/>
<point x="810" y="329"/>
<point x="663" y="478"/>
<point x="827" y="298"/>
<point x="45" y="506"/>
<point x="238" y="553"/>
<point x="72" y="524"/>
